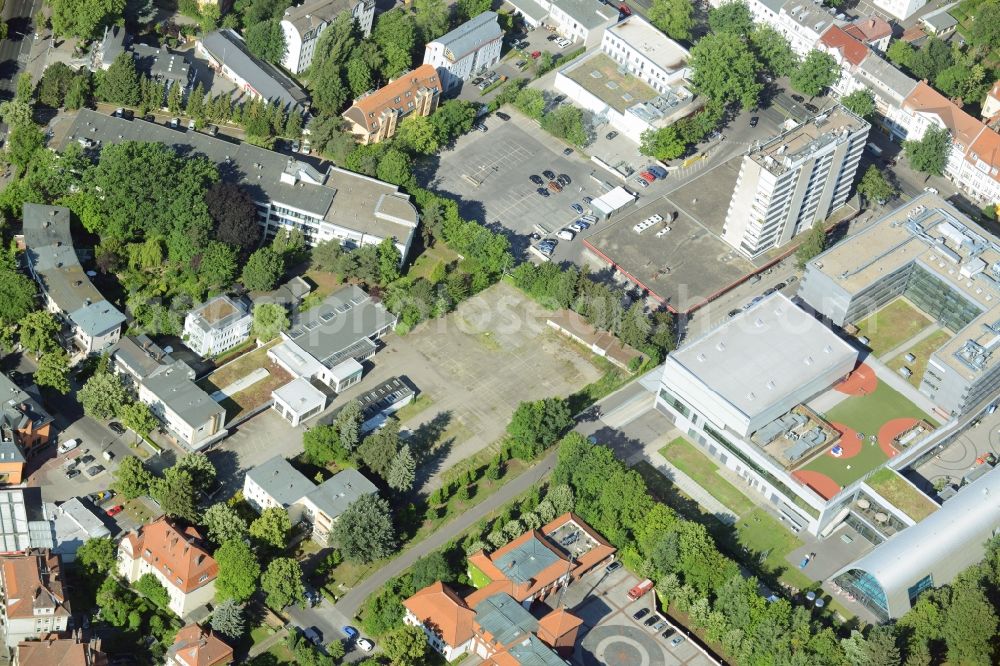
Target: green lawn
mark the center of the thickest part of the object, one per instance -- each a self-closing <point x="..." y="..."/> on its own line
<point x="868" y="413"/>
<point x="759" y="533"/>
<point x="890" y="485"/>
<point x="891" y="326"/>
<point x="922" y="350"/>
<point x="700" y="467"/>
<point x="478" y="578"/>
<point x="848" y="470"/>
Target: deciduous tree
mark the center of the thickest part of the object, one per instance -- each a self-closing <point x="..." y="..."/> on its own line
<point x="725" y="70"/>
<point x="930" y="154"/>
<point x="138" y="417"/>
<point x="223" y="523"/>
<point x="773" y="50"/>
<point x="239" y="571"/>
<point x="816" y="73"/>
<point x="364" y="532"/>
<point x="175" y="493"/>
<point x="812" y="244"/>
<point x="861" y="102"/>
<point x="731" y="17"/>
<point x="53" y="371"/>
<point x="875" y="186"/>
<point x="103" y="395"/>
<point x="674" y="17"/>
<point x="272" y="527"/>
<point x="263" y="270"/>
<point x="38" y="331"/>
<point x="84" y="18"/>
<point x="269" y="319"/>
<point x="282" y="583"/>
<point x="132" y="479"/>
<point x="200" y="468"/>
<point x="235" y="216"/>
<point x="405" y="646"/>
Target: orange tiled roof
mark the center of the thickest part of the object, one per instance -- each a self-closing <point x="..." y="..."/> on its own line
<point x="986" y="148"/>
<point x="602" y="551"/>
<point x="194" y="646"/>
<point x="850" y="48"/>
<point x="558" y="623"/>
<point x="869" y="29"/>
<point x="443" y="612"/>
<point x="964" y="128"/>
<point x="31" y="581"/>
<point x="913" y="34"/>
<point x="366" y="111"/>
<point x="175" y="553"/>
<point x="51" y="650"/>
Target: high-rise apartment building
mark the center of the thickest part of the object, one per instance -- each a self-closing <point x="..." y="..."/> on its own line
<point x="793" y="180"/>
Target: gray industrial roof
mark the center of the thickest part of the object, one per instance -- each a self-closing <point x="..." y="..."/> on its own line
<point x="334" y="495"/>
<point x="471" y="35"/>
<point x="940" y="20"/>
<point x="504" y="618"/>
<point x="229" y="48"/>
<point x="285" y="484"/>
<point x="311" y="13"/>
<point x="344" y="319"/>
<point x="74" y="522"/>
<point x="944" y="543"/>
<point x="55" y="265"/>
<point x="525" y="561"/>
<point x="345" y="198"/>
<point x="161" y="63"/>
<point x="763" y="354"/>
<point x="536" y="653"/>
<point x="140" y="354"/>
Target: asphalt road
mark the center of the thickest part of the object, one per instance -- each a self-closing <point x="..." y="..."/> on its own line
<point x="14" y="51"/>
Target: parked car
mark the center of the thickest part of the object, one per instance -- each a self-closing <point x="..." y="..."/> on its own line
<point x="659" y="625"/>
<point x="521" y="64"/>
<point x="754" y="120"/>
<point x="116" y="428"/>
<point x="567" y="151"/>
<point x="313" y="635"/>
<point x="86" y="460"/>
<point x="610" y="135"/>
<point x="588" y="200"/>
<point x="542" y="191"/>
<point x="366" y="644"/>
<point x="351" y="632"/>
<point x="69" y="445"/>
<point x="668" y="632"/>
<point x="642" y="182"/>
<point x="174" y="123"/>
<point x="115" y="510"/>
<point x="191" y="124"/>
<point x="554" y="186"/>
<point x="71" y="473"/>
<point x="653" y="619"/>
<point x="502" y="116"/>
<point x="553" y="37"/>
<point x="476" y="81"/>
<point x="566" y="234"/>
<point x="537" y="180"/>
<point x="95" y="470"/>
<point x="641" y="613"/>
<point x="811" y="108"/>
<point x="613" y="567"/>
<point x="577" y="207"/>
<point x="576" y="226"/>
<point x="678" y="639"/>
<point x="564" y="180"/>
<point x="798" y="98"/>
<point x="535" y="55"/>
<point x="583" y="223"/>
<point x="931" y="190"/>
<point x="779" y="286"/>
<point x="479" y="127"/>
<point x="549" y="174"/>
<point x="535" y="236"/>
<point x="563" y="43"/>
<point x="590" y="219"/>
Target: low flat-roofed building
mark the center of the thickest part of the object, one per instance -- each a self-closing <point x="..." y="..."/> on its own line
<point x="217" y="325"/>
<point x="298" y="401"/>
<point x="601" y="85"/>
<point x="167" y="385"/>
<point x="375" y="116"/>
<point x="944" y="264"/>
<point x="228" y="54"/>
<point x="34" y="598"/>
<point x="472" y="47"/>
<point x="276" y="483"/>
<point x="95" y="323"/>
<point x="354" y="209"/>
<point x="888" y="579"/>
<point x="340" y="330"/>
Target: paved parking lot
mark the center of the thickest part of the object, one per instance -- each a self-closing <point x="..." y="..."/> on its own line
<point x="609" y="634"/>
<point x="488" y="174"/>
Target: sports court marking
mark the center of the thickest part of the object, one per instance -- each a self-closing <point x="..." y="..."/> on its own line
<point x="862" y="381"/>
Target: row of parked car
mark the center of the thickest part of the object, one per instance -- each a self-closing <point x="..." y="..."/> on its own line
<point x="656" y="623"/>
<point x="652" y="173"/>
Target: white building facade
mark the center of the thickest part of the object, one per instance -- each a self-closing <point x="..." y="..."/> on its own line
<point x="303" y="25"/>
<point x="577" y="20"/>
<point x="646" y="53"/>
<point x="471" y="47"/>
<point x="901" y="9"/>
<point x="217" y="325"/>
<point x="794" y="180"/>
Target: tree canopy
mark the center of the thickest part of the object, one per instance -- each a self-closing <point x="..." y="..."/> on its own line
<point x="239" y="571"/>
<point x="725" y="70"/>
<point x="930" y="154"/>
<point x="282" y="583"/>
<point x="816" y="73"/>
<point x="263" y="270"/>
<point x="84" y="18"/>
<point x="674" y="17"/>
<point x="364" y="532"/>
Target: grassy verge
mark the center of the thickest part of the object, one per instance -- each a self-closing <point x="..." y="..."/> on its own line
<point x="419" y="404"/>
<point x="705" y="473"/>
<point x="890" y="485"/>
<point x="891" y="326"/>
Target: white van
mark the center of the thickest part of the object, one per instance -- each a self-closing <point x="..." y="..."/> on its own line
<point x="69" y="445"/>
<point x="565" y="234"/>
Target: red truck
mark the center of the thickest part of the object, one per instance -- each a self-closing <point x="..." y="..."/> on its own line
<point x="640" y="589"/>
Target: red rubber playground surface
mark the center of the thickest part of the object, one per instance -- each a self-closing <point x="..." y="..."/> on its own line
<point x="862" y="381"/>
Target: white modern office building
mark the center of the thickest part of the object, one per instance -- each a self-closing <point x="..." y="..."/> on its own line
<point x="745" y="378"/>
<point x="471" y="47"/>
<point x="303" y="24"/>
<point x="797" y="178"/>
<point x="217" y="325"/>
<point x="646" y="53"/>
<point x="900" y="9"/>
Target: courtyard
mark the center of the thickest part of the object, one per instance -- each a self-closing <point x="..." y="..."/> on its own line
<point x="892" y="325"/>
<point x="245" y="383"/>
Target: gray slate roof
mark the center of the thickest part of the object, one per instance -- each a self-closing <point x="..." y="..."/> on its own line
<point x="312" y="13"/>
<point x="523" y="563"/>
<point x="174" y="385"/>
<point x="348" y="199"/>
<point x="504" y="618"/>
<point x="281" y="481"/>
<point x="471" y="35"/>
<point x="55" y="265"/>
<point x="775" y="5"/>
<point x="18" y="407"/>
<point x="346" y="318"/>
<point x="884" y="79"/>
<point x="229" y="48"/>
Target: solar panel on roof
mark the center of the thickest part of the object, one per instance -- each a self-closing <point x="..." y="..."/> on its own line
<point x="328" y="316"/>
